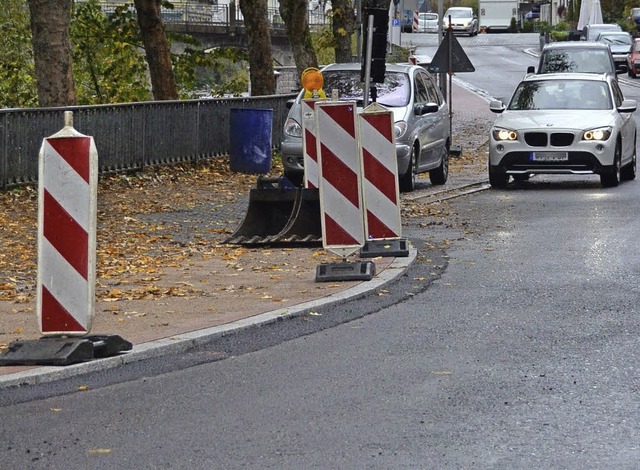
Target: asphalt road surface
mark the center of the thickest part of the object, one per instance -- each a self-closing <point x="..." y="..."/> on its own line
<point x="510" y="344"/>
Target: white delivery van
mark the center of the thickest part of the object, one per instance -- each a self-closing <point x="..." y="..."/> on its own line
<point x="495" y="15"/>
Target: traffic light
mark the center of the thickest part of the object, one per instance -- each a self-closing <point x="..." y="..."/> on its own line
<point x="378" y="44"/>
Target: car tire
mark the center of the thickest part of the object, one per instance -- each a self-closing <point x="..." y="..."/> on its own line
<point x="409" y="179"/>
<point x="438" y="176"/>
<point x="628" y="172"/>
<point x="610" y="178"/>
<point x="631" y="73"/>
<point x="498" y="178"/>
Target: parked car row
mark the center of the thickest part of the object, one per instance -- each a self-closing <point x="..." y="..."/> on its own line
<point x="463" y="21"/>
<point x="568" y="118"/>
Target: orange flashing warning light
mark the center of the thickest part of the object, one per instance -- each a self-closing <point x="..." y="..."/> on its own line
<point x="312" y="82"/>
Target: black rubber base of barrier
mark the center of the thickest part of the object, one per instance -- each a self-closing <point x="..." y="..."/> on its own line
<point x="63" y="350"/>
<point x="374" y="248"/>
<point x="455" y="151"/>
<point x="346" y="271"/>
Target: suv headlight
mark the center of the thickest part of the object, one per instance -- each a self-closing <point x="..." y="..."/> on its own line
<point x="599" y="134"/>
<point x="292" y="128"/>
<point x="501" y="134"/>
<point x="399" y="128"/>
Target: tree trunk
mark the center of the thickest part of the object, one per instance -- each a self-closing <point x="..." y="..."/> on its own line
<point x="256" y="23"/>
<point x="294" y="14"/>
<point x="344" y="21"/>
<point x="157" y="50"/>
<point x="50" y="33"/>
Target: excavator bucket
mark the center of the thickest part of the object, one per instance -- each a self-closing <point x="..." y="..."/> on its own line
<point x="304" y="226"/>
<point x="281" y="215"/>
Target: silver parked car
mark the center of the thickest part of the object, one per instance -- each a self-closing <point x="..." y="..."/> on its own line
<point x="463" y="20"/>
<point x="421" y="116"/>
<point x="568" y="123"/>
<point x="428" y="22"/>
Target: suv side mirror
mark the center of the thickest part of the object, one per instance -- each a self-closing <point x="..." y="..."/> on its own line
<point x="496" y="106"/>
<point x="420" y="109"/>
<point x="628" y="106"/>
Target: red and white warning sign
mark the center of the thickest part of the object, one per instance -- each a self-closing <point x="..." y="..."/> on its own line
<point x="309" y="144"/>
<point x="380" y="168"/>
<point x="68" y="177"/>
<point x="341" y="207"/>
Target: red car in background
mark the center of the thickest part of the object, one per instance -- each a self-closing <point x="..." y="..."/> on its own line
<point x="633" y="59"/>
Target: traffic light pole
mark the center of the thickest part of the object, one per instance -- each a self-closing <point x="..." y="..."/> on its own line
<point x="367" y="63"/>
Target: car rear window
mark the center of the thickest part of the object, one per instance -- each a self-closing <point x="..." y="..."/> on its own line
<point x="583" y="60"/>
<point x="561" y="94"/>
<point x="394" y="92"/>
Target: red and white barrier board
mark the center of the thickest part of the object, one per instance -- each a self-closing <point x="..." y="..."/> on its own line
<point x="415" y="21"/>
<point x="380" y="169"/>
<point x="341" y="207"/>
<point x="309" y="144"/>
<point x="68" y="177"/>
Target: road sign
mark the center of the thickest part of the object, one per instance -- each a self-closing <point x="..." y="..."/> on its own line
<point x="450" y="47"/>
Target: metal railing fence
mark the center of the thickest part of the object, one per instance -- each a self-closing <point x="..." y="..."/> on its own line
<point x="130" y="136"/>
<point x="215" y="14"/>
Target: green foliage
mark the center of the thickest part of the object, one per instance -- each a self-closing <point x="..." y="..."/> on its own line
<point x="560" y="35"/>
<point x="108" y="59"/>
<point x="324" y="44"/>
<point x="219" y="72"/>
<point x="108" y="64"/>
<point x="17" y="75"/>
<point x="513" y="26"/>
<point x="527" y="26"/>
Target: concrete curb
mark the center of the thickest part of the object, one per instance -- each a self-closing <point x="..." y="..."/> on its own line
<point x="184" y="342"/>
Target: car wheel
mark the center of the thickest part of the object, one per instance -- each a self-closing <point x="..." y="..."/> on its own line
<point x="628" y="172"/>
<point x="611" y="176"/>
<point x="498" y="178"/>
<point x="408" y="180"/>
<point x="631" y="73"/>
<point x="439" y="176"/>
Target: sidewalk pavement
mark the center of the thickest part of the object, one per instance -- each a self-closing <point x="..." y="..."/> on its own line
<point x="213" y="292"/>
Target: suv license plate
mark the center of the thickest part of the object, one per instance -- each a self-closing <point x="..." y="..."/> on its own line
<point x="549" y="156"/>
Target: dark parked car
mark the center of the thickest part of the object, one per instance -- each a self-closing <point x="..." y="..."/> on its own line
<point x="619" y="43"/>
<point x="578" y="56"/>
<point x="422" y="130"/>
<point x="590" y="32"/>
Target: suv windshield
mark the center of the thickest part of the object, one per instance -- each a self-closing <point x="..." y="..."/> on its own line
<point x="458" y="14"/>
<point x="561" y="94"/>
<point x="394" y="92"/>
<point x="584" y="60"/>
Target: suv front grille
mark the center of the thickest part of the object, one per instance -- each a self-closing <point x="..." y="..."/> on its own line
<point x="542" y="139"/>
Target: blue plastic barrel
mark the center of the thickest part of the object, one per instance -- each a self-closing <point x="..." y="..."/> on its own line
<point x="250" y="139"/>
